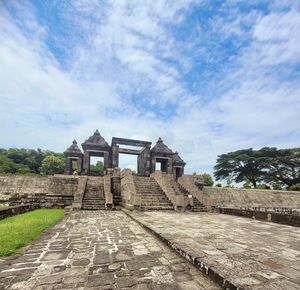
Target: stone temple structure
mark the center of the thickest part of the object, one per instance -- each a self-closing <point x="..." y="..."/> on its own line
<point x="147" y="157"/>
<point x="237" y="238"/>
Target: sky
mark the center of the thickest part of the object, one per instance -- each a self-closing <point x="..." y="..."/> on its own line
<point x="209" y="77"/>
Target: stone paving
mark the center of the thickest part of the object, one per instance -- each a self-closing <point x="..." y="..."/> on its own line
<point x="99" y="250"/>
<point x="248" y="253"/>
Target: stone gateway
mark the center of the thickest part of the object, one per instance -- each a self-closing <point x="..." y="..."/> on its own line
<point x="170" y="162"/>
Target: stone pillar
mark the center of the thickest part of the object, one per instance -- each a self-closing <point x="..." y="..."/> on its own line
<point x="147" y="162"/>
<point x="79" y="165"/>
<point x="169" y="166"/>
<point x="86" y="162"/>
<point x="115" y="156"/>
<point x="68" y="165"/>
<point x="153" y="162"/>
<point x="106" y="160"/>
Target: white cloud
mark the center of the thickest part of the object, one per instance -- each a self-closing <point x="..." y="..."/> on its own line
<point x="128" y="51"/>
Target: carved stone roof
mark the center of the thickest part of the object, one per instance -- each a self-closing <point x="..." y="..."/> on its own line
<point x="73" y="149"/>
<point x="96" y="139"/>
<point x="177" y="159"/>
<point x="160" y="147"/>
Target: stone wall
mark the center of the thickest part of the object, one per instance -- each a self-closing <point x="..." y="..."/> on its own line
<point x="14" y="210"/>
<point x="249" y="198"/>
<point x="287" y="219"/>
<point x="52" y="191"/>
<point x="239" y="197"/>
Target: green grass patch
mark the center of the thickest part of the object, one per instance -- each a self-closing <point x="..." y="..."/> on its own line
<point x="18" y="231"/>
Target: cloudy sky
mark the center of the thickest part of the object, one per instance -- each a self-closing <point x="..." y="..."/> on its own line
<point x="209" y="77"/>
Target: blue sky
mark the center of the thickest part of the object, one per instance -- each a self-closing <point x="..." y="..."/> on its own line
<point x="209" y="77"/>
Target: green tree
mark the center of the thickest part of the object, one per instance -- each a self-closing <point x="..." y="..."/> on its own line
<point x="267" y="165"/>
<point x="7" y="166"/>
<point x="283" y="166"/>
<point x="242" y="165"/>
<point x="29" y="158"/>
<point x="97" y="168"/>
<point x="52" y="164"/>
<point x="247" y="185"/>
<point x="207" y="178"/>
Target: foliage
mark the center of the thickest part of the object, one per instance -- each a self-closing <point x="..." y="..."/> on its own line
<point x="52" y="165"/>
<point x="9" y="166"/>
<point x="218" y="185"/>
<point x="19" y="230"/>
<point x="208" y="180"/>
<point x="23" y="161"/>
<point x="268" y="165"/>
<point x="263" y="186"/>
<point x="295" y="187"/>
<point x="283" y="166"/>
<point x="276" y="186"/>
<point x="241" y="165"/>
<point x="97" y="168"/>
<point x="247" y="185"/>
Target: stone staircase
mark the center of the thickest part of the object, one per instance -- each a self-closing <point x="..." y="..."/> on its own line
<point x="198" y="206"/>
<point x="94" y="198"/>
<point x="152" y="196"/>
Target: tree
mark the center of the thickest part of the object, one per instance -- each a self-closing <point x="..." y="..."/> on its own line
<point x="7" y="166"/>
<point x="208" y="180"/>
<point x="26" y="160"/>
<point x="265" y="167"/>
<point x="247" y="185"/>
<point x="283" y="166"/>
<point x="242" y="165"/>
<point x="97" y="168"/>
<point x="52" y="165"/>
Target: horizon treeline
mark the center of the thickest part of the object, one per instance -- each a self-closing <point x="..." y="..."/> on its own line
<point x="24" y="161"/>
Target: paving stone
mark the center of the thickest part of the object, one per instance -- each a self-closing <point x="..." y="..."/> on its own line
<point x="82" y="262"/>
<point x="55" y="255"/>
<point x="120" y="254"/>
<point x="250" y="254"/>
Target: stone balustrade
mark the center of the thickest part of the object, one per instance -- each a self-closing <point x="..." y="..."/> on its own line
<point x="129" y="197"/>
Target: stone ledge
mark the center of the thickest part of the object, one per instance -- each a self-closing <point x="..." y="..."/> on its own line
<point x="18" y="209"/>
<point x="196" y="261"/>
<point x="275" y="217"/>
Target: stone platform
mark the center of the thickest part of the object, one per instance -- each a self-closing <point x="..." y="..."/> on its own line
<point x="100" y="250"/>
<point x="243" y="253"/>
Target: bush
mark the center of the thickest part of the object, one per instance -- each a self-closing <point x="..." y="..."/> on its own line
<point x="263" y="186"/>
<point x="295" y="187"/>
<point x="52" y="165"/>
<point x="208" y="180"/>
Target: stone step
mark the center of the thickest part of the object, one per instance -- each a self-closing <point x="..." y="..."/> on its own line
<point x="199" y="210"/>
<point x="157" y="207"/>
<point x="92" y="207"/>
<point x="93" y="197"/>
<point x="93" y="201"/>
<point x="159" y="197"/>
<point x="152" y="196"/>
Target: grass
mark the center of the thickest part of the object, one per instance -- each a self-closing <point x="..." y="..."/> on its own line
<point x="18" y="231"/>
